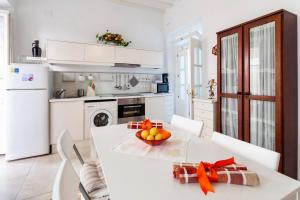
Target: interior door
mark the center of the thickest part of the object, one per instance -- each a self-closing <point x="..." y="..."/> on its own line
<point x="262" y="85"/>
<point x="230" y="83"/>
<point x="182" y="83"/>
<point x="196" y="71"/>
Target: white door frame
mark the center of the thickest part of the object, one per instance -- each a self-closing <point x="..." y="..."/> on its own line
<point x="184" y="106"/>
<point x="3" y="71"/>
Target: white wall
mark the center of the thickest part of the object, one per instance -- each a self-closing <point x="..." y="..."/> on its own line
<point x="81" y="20"/>
<point x="216" y="15"/>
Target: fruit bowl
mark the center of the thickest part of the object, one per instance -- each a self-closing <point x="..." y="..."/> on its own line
<point x="166" y="134"/>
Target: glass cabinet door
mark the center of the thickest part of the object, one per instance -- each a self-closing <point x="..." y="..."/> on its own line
<point x="229" y="63"/>
<point x="230" y="79"/>
<point x="260" y="86"/>
<point x="229" y="116"/>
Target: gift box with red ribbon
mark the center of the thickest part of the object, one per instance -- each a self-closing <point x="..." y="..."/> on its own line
<point x="223" y="171"/>
<point x="144" y="124"/>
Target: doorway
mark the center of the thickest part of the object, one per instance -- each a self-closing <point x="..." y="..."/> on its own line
<point x="188" y="81"/>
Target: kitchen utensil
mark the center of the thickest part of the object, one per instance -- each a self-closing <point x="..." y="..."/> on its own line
<point x="80" y="92"/>
<point x="60" y="93"/>
<point x="120" y="82"/>
<point x="36" y="50"/>
<point x="116" y="80"/>
<point x="127" y="83"/>
<point x="133" y="81"/>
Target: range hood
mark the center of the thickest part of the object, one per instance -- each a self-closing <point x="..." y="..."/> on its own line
<point x="127" y="65"/>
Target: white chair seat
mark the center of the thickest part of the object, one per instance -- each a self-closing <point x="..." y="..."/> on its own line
<point x="255" y="153"/>
<point x="91" y="177"/>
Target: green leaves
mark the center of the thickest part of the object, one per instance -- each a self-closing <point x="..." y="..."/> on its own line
<point x="112" y="38"/>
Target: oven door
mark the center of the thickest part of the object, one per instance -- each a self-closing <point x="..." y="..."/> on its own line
<point x="131" y="109"/>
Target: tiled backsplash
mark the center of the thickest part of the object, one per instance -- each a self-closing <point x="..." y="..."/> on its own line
<point x="105" y="82"/>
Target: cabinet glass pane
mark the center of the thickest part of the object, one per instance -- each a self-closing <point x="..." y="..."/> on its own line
<point x="198" y="91"/>
<point x="229" y="114"/>
<point x="262" y="60"/>
<point x="229" y="63"/>
<point x="262" y="124"/>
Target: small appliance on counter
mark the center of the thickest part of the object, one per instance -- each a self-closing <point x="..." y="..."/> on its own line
<point x="36" y="50"/>
<point x="165" y="78"/>
<point x="159" y="87"/>
<point x="60" y="94"/>
<point x="80" y="92"/>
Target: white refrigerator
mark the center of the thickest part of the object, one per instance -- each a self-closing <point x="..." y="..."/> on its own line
<point x="26" y="111"/>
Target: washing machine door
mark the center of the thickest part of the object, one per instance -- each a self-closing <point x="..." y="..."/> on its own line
<point x="101" y="118"/>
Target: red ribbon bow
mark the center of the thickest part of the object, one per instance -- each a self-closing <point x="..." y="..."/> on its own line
<point x="207" y="173"/>
<point x="146" y="124"/>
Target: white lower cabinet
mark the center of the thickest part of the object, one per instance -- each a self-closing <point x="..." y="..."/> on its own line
<point x="159" y="108"/>
<point x="66" y="115"/>
<point x="204" y="110"/>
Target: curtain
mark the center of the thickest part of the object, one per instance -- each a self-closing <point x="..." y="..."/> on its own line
<point x="262" y="124"/>
<point x="262" y="82"/>
<point x="262" y="60"/>
<point x="229" y="114"/>
<point x="229" y="63"/>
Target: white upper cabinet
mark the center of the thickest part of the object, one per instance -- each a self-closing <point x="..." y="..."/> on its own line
<point x="152" y="59"/>
<point x="101" y="54"/>
<point x="127" y="55"/>
<point x="65" y="51"/>
<point x="92" y="54"/>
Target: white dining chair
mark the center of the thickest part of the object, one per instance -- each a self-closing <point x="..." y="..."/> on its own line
<point x="91" y="175"/>
<point x="66" y="182"/>
<point x="189" y="125"/>
<point x="252" y="152"/>
<point x="66" y="147"/>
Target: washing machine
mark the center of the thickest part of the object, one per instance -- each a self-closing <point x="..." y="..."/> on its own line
<point x="100" y="113"/>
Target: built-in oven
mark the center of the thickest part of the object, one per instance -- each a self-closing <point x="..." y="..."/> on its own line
<point x="131" y="109"/>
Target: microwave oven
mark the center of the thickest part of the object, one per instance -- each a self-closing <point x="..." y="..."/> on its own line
<point x="160" y="87"/>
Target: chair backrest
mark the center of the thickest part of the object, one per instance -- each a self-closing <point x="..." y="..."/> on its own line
<point x="67" y="148"/>
<point x="189" y="125"/>
<point x="66" y="183"/>
<point x="65" y="145"/>
<point x="258" y="154"/>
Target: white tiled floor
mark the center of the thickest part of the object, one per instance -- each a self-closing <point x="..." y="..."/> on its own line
<point x="32" y="178"/>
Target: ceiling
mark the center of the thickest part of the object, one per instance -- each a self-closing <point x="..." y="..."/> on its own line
<point x="6" y="3"/>
<point x="156" y="4"/>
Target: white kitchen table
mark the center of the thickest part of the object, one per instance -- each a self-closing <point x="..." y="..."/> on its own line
<point x="139" y="178"/>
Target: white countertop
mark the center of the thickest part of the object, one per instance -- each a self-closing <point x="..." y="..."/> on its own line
<point x="204" y="100"/>
<point x="103" y="97"/>
<point x="135" y="177"/>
